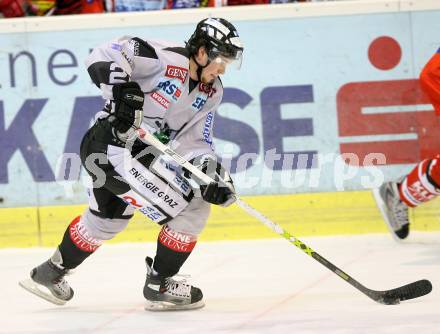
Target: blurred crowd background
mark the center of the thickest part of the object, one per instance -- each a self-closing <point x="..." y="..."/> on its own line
<point x="20" y="8"/>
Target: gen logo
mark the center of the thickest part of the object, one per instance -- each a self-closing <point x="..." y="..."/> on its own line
<point x="179" y="73"/>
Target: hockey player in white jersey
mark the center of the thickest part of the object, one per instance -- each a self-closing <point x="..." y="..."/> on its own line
<point x="172" y="91"/>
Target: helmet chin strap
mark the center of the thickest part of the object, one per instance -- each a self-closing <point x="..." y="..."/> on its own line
<point x="200" y="68"/>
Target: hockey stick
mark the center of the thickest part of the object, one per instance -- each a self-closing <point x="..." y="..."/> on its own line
<point x="388" y="297"/>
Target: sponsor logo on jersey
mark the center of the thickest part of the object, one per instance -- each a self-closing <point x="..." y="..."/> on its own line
<point x="199" y="102"/>
<point x="149" y="211"/>
<point x="116" y="46"/>
<point x="205" y="92"/>
<point x="160" y="193"/>
<point x="131" y="201"/>
<point x="152" y="213"/>
<point x="207" y="128"/>
<point x="172" y="174"/>
<point x="170" y="89"/>
<point x="179" y="73"/>
<point x="207" y="89"/>
<point x="127" y="58"/>
<point x="164" y="103"/>
<point x="135" y="47"/>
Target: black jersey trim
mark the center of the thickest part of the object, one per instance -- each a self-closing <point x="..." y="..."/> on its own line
<point x="192" y="84"/>
<point x="144" y="49"/>
<point x="179" y="50"/>
<point x="99" y="72"/>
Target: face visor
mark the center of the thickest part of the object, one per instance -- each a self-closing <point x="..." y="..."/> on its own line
<point x="231" y="57"/>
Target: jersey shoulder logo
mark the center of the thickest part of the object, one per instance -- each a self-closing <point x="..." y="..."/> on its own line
<point x="207" y="89"/>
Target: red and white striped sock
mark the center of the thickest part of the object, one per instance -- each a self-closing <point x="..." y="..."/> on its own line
<point x="421" y="184"/>
<point x="81" y="238"/>
<point x="173" y="248"/>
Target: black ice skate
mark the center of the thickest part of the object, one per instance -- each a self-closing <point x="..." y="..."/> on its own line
<point x="165" y="294"/>
<point x="47" y="281"/>
<point x="394" y="211"/>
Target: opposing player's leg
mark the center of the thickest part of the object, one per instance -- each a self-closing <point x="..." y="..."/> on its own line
<point x="430" y="81"/>
<point x="422" y="183"/>
<point x="394" y="198"/>
<point x="393" y="209"/>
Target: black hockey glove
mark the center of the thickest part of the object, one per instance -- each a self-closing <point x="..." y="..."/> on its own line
<point x="129" y="102"/>
<point x="222" y="191"/>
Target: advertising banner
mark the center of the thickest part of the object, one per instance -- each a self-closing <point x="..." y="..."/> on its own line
<point x="320" y="104"/>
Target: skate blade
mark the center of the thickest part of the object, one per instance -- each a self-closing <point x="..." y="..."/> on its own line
<point x="161" y="306"/>
<point x="383" y="211"/>
<point x="32" y="287"/>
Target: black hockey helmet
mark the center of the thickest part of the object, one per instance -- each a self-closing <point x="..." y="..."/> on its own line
<point x="220" y="38"/>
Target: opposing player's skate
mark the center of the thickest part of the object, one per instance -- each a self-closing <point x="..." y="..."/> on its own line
<point x="394" y="211"/>
<point x="164" y="294"/>
<point x="47" y="281"/>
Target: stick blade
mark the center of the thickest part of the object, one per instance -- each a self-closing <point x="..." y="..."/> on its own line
<point x="409" y="291"/>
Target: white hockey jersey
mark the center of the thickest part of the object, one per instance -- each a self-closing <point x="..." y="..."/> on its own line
<point x="173" y="103"/>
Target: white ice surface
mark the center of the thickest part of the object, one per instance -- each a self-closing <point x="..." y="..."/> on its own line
<point x="264" y="286"/>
